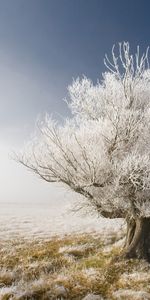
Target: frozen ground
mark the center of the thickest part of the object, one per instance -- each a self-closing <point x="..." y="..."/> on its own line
<point x="42" y="220"/>
<point x="32" y="208"/>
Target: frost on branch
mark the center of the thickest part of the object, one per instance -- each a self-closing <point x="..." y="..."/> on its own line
<point x="102" y="152"/>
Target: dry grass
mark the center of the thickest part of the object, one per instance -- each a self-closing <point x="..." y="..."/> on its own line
<point x="72" y="266"/>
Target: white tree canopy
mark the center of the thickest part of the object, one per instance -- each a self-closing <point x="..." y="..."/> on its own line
<point x="103" y="151"/>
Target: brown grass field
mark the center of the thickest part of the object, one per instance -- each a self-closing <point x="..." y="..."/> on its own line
<point x="70" y="267"/>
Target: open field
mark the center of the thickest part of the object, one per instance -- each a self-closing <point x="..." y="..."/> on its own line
<point x="70" y="268"/>
<point x="46" y="252"/>
<point x="43" y="220"/>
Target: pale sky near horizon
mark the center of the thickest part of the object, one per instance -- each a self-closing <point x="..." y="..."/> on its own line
<point x="43" y="45"/>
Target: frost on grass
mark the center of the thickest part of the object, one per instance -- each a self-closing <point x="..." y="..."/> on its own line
<point x="7" y="292"/>
<point x="45" y="220"/>
<point x="131" y="294"/>
<point x="74" y="265"/>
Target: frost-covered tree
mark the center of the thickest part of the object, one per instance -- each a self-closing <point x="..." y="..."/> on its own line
<point x="103" y="151"/>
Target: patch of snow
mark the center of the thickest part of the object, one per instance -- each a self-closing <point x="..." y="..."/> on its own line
<point x="91" y="272"/>
<point x="93" y="297"/>
<point x="127" y="294"/>
<point x="60" y="291"/>
<point x="74" y="248"/>
<point x="5" y="291"/>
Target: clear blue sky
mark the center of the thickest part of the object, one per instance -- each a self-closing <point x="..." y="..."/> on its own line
<point x="43" y="45"/>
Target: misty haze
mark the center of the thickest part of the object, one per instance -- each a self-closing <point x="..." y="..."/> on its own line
<point x="74" y="150"/>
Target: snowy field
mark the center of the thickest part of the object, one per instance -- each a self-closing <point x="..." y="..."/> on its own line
<point x="30" y="207"/>
<point x="43" y="220"/>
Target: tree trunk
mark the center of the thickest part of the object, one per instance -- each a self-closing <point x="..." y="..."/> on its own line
<point x="137" y="244"/>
